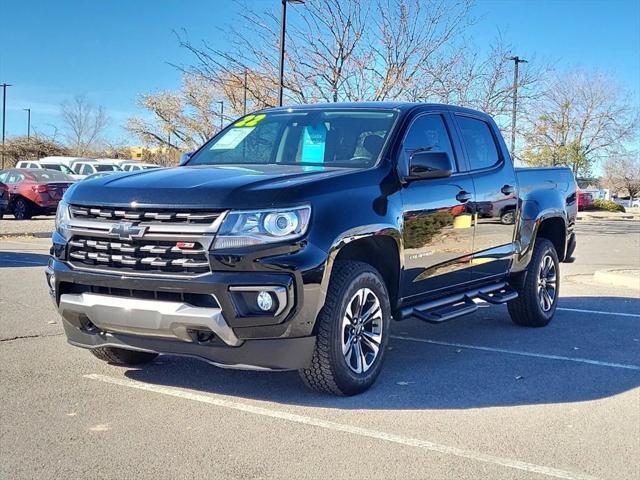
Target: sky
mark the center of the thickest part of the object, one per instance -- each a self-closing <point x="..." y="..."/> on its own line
<point x="112" y="51"/>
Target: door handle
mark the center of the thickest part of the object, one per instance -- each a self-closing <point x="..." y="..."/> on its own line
<point x="463" y="196"/>
<point x="508" y="189"/>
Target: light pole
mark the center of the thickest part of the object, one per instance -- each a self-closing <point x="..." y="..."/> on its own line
<point x="221" y="113"/>
<point x="283" y="31"/>
<point x="516" y="61"/>
<point x="4" y="110"/>
<point x="28" y="110"/>
<point x="244" y="107"/>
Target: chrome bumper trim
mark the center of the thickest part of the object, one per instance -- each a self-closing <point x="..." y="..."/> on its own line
<point x="151" y="318"/>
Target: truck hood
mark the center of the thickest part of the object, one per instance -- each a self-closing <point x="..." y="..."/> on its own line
<point x="205" y="187"/>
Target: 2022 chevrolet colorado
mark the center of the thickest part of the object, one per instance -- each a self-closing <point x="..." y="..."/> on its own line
<point x="293" y="238"/>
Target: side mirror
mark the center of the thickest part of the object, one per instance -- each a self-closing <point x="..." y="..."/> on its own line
<point x="426" y="164"/>
<point x="184" y="158"/>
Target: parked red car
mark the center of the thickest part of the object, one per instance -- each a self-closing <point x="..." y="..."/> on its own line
<point x="4" y="199"/>
<point x="34" y="191"/>
<point x="585" y="201"/>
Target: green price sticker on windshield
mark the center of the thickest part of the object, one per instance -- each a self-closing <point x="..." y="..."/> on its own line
<point x="250" y="120"/>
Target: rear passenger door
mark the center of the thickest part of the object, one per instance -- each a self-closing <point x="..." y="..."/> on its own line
<point x="496" y="204"/>
<point x="437" y="227"/>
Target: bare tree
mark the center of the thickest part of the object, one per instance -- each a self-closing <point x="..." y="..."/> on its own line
<point x="85" y="123"/>
<point x="581" y="118"/>
<point x="621" y="172"/>
<point x="340" y="50"/>
<point x="37" y="146"/>
<point x="183" y="119"/>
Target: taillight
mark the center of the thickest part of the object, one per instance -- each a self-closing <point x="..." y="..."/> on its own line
<point x="40" y="188"/>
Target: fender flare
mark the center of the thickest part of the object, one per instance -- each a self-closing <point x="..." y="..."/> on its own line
<point x="348" y="237"/>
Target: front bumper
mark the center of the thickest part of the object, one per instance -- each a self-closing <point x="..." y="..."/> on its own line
<point x="100" y="309"/>
<point x="153" y="318"/>
<point x="276" y="354"/>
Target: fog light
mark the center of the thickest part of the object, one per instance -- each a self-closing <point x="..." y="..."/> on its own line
<point x="265" y="301"/>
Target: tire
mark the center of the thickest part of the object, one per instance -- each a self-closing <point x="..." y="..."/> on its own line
<point x="21" y="209"/>
<point x="532" y="308"/>
<point x="508" y="217"/>
<point x="120" y="356"/>
<point x="331" y="370"/>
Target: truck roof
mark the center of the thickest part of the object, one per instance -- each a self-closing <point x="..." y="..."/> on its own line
<point x="402" y="106"/>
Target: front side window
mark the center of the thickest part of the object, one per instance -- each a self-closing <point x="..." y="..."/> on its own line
<point x="428" y="133"/>
<point x="479" y="143"/>
<point x="339" y="138"/>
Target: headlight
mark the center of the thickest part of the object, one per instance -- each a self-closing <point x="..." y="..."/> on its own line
<point x="62" y="219"/>
<point x="255" y="227"/>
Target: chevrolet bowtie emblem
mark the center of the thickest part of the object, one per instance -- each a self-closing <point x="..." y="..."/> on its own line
<point x="127" y="231"/>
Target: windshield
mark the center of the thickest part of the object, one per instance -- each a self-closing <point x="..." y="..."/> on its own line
<point x="58" y="167"/>
<point x="102" y="167"/>
<point x="339" y="138"/>
<point x="50" y="176"/>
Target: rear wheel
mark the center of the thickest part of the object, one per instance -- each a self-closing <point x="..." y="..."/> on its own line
<point x="120" y="356"/>
<point x="538" y="288"/>
<point x="21" y="209"/>
<point x="353" y="331"/>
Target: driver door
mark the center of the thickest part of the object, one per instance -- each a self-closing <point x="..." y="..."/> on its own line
<point x="438" y="228"/>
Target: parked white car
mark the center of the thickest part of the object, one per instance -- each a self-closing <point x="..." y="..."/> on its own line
<point x="28" y="164"/>
<point x="85" y="168"/>
<point x="135" y="166"/>
<point x="628" y="203"/>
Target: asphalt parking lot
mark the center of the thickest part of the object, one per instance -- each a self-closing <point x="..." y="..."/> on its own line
<point x="474" y="398"/>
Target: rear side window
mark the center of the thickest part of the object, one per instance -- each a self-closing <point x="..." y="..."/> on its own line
<point x="478" y="140"/>
<point x="428" y="133"/>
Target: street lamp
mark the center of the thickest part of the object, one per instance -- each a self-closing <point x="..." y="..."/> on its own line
<point x="221" y="113"/>
<point x="283" y="31"/>
<point x="516" y="61"/>
<point x="28" y="110"/>
<point x="4" y="110"/>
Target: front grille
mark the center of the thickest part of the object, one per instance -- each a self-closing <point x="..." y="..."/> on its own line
<point x="164" y="216"/>
<point x="138" y="256"/>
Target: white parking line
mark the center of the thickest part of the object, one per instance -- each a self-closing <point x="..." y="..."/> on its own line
<point x="340" y="427"/>
<point x="598" y="312"/>
<point x="517" y="352"/>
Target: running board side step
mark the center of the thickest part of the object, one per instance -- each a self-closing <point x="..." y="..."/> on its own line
<point x="498" y="297"/>
<point x="457" y="305"/>
<point x="446" y="313"/>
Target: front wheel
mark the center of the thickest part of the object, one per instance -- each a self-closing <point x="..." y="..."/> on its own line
<point x="538" y="288"/>
<point x="508" y="217"/>
<point x="353" y="331"/>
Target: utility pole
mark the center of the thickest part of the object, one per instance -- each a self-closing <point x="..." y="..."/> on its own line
<point x="28" y="110"/>
<point x="244" y="108"/>
<point x="221" y="114"/>
<point x="516" y="61"/>
<point x="4" y="113"/>
<point x="283" y="31"/>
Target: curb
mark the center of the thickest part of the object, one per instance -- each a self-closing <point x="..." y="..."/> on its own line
<point x="26" y="234"/>
<point x="608" y="217"/>
<point x="620" y="278"/>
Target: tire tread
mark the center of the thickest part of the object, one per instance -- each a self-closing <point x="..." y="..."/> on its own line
<point x="320" y="376"/>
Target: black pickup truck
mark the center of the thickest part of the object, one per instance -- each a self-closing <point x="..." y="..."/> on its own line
<point x="293" y="238"/>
